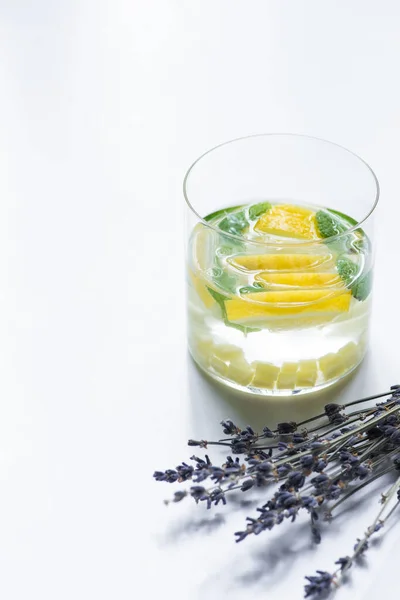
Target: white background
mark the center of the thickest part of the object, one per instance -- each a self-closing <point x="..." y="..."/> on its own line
<point x="103" y="105"/>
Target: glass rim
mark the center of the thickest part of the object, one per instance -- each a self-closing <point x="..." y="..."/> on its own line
<point x="332" y="238"/>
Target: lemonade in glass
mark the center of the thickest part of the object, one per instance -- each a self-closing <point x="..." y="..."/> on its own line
<point x="279" y="262"/>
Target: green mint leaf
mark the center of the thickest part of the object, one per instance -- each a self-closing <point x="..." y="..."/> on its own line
<point x="328" y="225"/>
<point x="256" y="210"/>
<point x="347" y="270"/>
<point x="219" y="299"/>
<point x="250" y="289"/>
<point x="235" y="223"/>
<point x="360" y="287"/>
<point x="363" y="243"/>
<point x="243" y="328"/>
<point x="224" y="280"/>
<point x="344" y="217"/>
<point x="220" y="213"/>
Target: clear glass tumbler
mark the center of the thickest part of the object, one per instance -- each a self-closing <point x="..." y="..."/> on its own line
<point x="279" y="262"/>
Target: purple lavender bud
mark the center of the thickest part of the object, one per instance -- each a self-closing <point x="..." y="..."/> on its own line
<point x="395" y="438"/>
<point x="362" y="471"/>
<point x="319" y="584"/>
<point x="247" y="485"/>
<point x="267" y="432"/>
<point x="307" y="461"/>
<point x="315" y="447"/>
<point x="308" y="501"/>
<point x="265" y="467"/>
<point x="333" y="492"/>
<point x="241" y="535"/>
<point x="320" y="480"/>
<point x="319" y="466"/>
<point x="344" y="562"/>
<point x="331" y="409"/>
<point x="361" y="546"/>
<point x="283" y="470"/>
<point x="287" y="427"/>
<point x="295" y="479"/>
<point x="197" y="492"/>
<point x="229" y="427"/>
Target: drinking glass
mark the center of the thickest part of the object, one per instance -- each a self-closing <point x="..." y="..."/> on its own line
<point x="279" y="262"/>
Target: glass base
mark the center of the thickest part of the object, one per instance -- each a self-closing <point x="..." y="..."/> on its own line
<point x="273" y="392"/>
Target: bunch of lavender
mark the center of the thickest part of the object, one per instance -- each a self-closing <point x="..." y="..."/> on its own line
<point x="317" y="467"/>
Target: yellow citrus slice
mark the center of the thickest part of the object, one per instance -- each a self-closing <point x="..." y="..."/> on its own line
<point x="203" y="349"/>
<point x="287" y="376"/>
<point x="282" y="262"/>
<point x="336" y="363"/>
<point x="284" y="303"/>
<point x="288" y="220"/>
<point x="306" y="280"/>
<point x="228" y="352"/>
<point x="204" y="243"/>
<point x="220" y="366"/>
<point x="307" y="373"/>
<point x="201" y="289"/>
<point x="265" y="375"/>
<point x="202" y="259"/>
<point x="240" y="371"/>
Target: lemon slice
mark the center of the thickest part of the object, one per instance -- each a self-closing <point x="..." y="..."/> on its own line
<point x="307" y="280"/>
<point x="201" y="289"/>
<point x="331" y="366"/>
<point x="307" y="373"/>
<point x="203" y="348"/>
<point x="265" y="375"/>
<point x="288" y="220"/>
<point x="240" y="371"/>
<point x="336" y="363"/>
<point x="287" y="376"/>
<point x="282" y="262"/>
<point x="284" y="303"/>
<point x="204" y="242"/>
<point x="218" y="365"/>
<point x="228" y="352"/>
<point x="350" y="354"/>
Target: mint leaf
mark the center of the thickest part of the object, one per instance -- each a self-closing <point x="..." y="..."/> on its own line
<point x="360" y="287"/>
<point x="328" y="225"/>
<point x="256" y="210"/>
<point x="220" y="213"/>
<point x="345" y="222"/>
<point x="224" y="280"/>
<point x="243" y="328"/>
<point x="220" y="300"/>
<point x="347" y="270"/>
<point x="250" y="289"/>
<point x="346" y="218"/>
<point x="234" y="224"/>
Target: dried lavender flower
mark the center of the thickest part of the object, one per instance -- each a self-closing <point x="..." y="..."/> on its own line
<point x="316" y="471"/>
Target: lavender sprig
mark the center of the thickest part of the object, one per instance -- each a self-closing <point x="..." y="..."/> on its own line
<point x="324" y="582"/>
<point x="316" y="469"/>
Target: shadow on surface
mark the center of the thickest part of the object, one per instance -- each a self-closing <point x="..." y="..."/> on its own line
<point x="193" y="526"/>
<point x="274" y="561"/>
<point x="211" y="402"/>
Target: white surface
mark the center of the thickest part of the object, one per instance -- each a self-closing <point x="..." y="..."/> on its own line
<point x="103" y="105"/>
